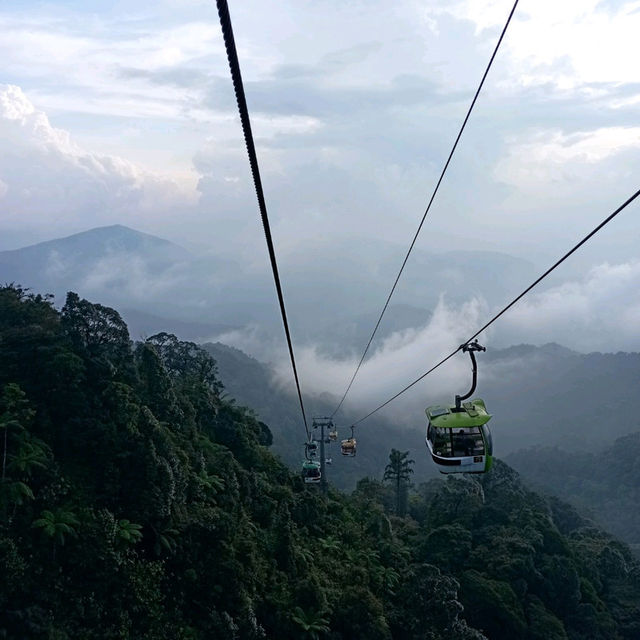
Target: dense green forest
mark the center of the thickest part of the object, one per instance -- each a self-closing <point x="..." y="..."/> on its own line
<point x="140" y="502"/>
<point x="605" y="486"/>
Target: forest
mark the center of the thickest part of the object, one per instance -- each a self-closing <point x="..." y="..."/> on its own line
<point x="604" y="485"/>
<point x="139" y="501"/>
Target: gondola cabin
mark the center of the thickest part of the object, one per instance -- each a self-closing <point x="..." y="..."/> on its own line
<point x="348" y="447"/>
<point x="311" y="472"/>
<point x="459" y="440"/>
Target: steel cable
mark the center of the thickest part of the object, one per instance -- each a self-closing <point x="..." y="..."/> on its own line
<point x="236" y="76"/>
<point x="514" y="301"/>
<point x="433" y="195"/>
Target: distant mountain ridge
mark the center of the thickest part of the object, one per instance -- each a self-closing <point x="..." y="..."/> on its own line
<point x="334" y="289"/>
<point x="101" y="258"/>
<point x="78" y="249"/>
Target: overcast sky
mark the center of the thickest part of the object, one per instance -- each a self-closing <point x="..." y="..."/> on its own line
<point x="123" y="112"/>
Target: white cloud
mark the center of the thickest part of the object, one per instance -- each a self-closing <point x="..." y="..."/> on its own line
<point x="566" y="43"/>
<point x="50" y="179"/>
<point x="601" y="312"/>
<point x="535" y="161"/>
<point x="131" y="276"/>
<point x="397" y="361"/>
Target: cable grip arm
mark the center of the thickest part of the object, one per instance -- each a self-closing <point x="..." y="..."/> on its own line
<point x="470" y="348"/>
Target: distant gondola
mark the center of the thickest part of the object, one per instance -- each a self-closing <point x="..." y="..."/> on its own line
<point x="348" y="447"/>
<point x="458" y="437"/>
<point x="311" y="472"/>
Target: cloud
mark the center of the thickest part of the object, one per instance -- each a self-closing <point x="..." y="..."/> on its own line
<point x="49" y="179"/>
<point x="600" y="312"/>
<point x="535" y="160"/>
<point x="391" y="365"/>
<point x="567" y="44"/>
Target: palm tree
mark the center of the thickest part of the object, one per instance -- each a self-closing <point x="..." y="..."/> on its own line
<point x="127" y="533"/>
<point x="210" y="482"/>
<point x="330" y="544"/>
<point x="56" y="525"/>
<point x="398" y="471"/>
<point x="166" y="539"/>
<point x="31" y="454"/>
<point x="390" y="579"/>
<point x="13" y="492"/>
<point x="313" y="624"/>
<point x="14" y="417"/>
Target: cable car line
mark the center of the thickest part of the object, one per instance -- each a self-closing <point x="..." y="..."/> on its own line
<point x="433" y="195"/>
<point x="505" y="309"/>
<point x="236" y="76"/>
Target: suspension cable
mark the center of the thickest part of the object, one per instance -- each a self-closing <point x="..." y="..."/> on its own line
<point x="433" y="195"/>
<point x="234" y="66"/>
<point x="505" y="309"/>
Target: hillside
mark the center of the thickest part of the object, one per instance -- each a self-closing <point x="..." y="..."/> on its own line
<point x="603" y="485"/>
<point x="251" y="383"/>
<point x="137" y="502"/>
<point x="543" y="396"/>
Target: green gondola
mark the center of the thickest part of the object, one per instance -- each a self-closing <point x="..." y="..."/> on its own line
<point x="458" y="437"/>
<point x="311" y="472"/>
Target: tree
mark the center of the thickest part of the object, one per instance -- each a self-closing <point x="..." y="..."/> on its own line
<point x="398" y="471"/>
<point x="15" y="414"/>
<point x="313" y="624"/>
<point x="127" y="533"/>
<point x="57" y="525"/>
<point x="100" y="334"/>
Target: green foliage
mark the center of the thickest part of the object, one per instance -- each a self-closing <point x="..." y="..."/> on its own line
<point x="313" y="624"/>
<point x="137" y="502"/>
<point x="128" y="533"/>
<point x="58" y="525"/>
<point x="398" y="471"/>
<point x="605" y="485"/>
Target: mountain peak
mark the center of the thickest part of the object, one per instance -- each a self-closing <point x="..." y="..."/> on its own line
<point x="92" y="260"/>
<point x="108" y="239"/>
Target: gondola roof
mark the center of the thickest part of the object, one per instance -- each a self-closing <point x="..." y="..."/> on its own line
<point x="473" y="414"/>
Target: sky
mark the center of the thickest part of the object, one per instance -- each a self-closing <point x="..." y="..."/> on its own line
<point x="123" y="113"/>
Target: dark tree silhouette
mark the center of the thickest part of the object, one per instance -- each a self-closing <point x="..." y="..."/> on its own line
<point x="398" y="472"/>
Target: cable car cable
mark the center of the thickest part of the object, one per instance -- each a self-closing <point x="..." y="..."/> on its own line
<point x="236" y="76"/>
<point x="433" y="195"/>
<point x="505" y="309"/>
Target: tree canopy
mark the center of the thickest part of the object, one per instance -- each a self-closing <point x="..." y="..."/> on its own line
<point x="136" y="501"/>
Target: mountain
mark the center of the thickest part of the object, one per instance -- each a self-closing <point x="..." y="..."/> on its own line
<point x="604" y="485"/>
<point x="115" y="261"/>
<point x="334" y="290"/>
<point x="550" y="396"/>
<point x="138" y="502"/>
<point x="538" y="396"/>
<point x="72" y="258"/>
<point x="253" y="384"/>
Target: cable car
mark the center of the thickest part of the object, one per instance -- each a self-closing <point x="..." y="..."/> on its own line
<point x="333" y="435"/>
<point x="311" y="449"/>
<point x="348" y="446"/>
<point x="311" y="472"/>
<point x="458" y="437"/>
